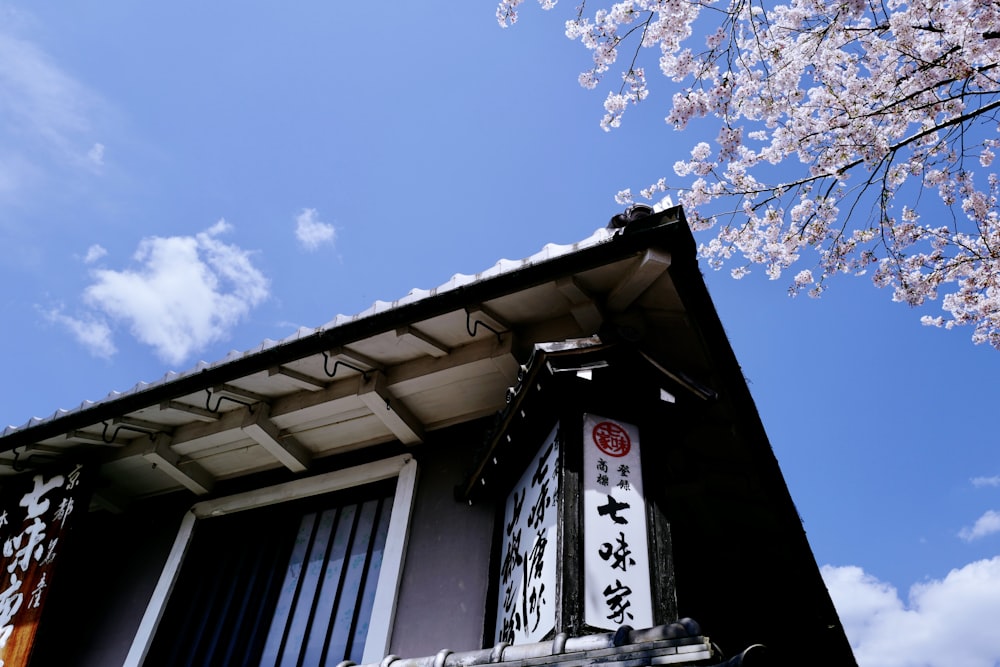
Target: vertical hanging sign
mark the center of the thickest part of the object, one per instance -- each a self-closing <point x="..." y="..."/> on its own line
<point x="35" y="516"/>
<point x="526" y="599"/>
<point x="617" y="589"/>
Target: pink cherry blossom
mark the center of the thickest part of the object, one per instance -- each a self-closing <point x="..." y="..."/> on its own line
<point x="855" y="138"/>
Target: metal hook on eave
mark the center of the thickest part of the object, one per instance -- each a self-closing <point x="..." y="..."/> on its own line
<point x="124" y="427"/>
<point x="337" y="363"/>
<point x="471" y="327"/>
<point x="104" y="433"/>
<point x="223" y="397"/>
<point x="20" y="466"/>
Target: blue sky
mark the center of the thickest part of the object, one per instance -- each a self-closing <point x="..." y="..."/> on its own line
<point x="262" y="168"/>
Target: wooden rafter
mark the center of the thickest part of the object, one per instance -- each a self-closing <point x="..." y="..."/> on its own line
<point x="258" y="425"/>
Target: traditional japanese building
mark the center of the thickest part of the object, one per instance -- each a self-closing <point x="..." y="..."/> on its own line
<point x="554" y="462"/>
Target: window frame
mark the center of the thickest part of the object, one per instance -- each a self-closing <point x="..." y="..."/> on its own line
<point x="403" y="467"/>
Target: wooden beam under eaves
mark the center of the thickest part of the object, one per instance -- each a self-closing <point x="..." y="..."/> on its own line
<point x="391" y="411"/>
<point x="652" y="265"/>
<point x="421" y="341"/>
<point x="233" y="390"/>
<point x="187" y="472"/>
<point x="343" y="394"/>
<point x="94" y="438"/>
<point x="142" y="425"/>
<point x="258" y="425"/>
<point x="582" y="305"/>
<point x="349" y="356"/>
<point x="201" y="414"/>
<point x="300" y="380"/>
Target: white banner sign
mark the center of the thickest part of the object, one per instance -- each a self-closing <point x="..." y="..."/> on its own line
<point x="617" y="587"/>
<point x="526" y="605"/>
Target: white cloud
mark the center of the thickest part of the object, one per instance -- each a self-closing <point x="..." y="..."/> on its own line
<point x="311" y="232"/>
<point x="944" y="623"/>
<point x="986" y="481"/>
<point x="48" y="102"/>
<point x="188" y="291"/>
<point x="987" y="524"/>
<point x="93" y="333"/>
<point x="96" y="154"/>
<point x="94" y="253"/>
<point x="47" y="114"/>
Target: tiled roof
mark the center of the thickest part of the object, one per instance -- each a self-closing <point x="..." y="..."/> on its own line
<point x="679" y="643"/>
<point x="503" y="266"/>
<point x="435" y="358"/>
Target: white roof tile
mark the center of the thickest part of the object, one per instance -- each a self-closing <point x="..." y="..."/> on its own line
<point x="503" y="266"/>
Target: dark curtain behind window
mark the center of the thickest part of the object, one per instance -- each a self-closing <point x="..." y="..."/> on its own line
<point x="290" y="584"/>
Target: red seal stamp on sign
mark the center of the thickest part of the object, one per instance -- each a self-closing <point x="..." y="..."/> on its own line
<point x="612" y="439"/>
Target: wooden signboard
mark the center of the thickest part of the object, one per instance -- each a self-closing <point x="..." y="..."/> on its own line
<point x="527" y="598"/>
<point x="36" y="513"/>
<point x="616" y="564"/>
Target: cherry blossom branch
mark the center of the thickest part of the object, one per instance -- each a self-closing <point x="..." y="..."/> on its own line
<point x="904" y="93"/>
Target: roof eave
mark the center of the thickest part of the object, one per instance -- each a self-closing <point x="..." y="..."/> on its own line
<point x="667" y="228"/>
